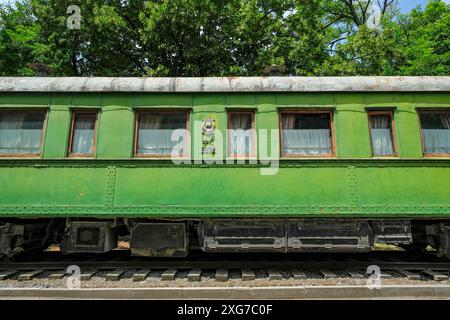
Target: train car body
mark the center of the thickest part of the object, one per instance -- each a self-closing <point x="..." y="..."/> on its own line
<point x="331" y="164"/>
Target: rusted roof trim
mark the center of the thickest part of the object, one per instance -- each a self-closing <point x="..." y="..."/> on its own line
<point x="224" y="84"/>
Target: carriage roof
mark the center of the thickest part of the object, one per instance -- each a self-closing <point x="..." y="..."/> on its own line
<point x="225" y="84"/>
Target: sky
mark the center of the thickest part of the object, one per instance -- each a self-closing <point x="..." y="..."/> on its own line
<point x="405" y="5"/>
<point x="408" y="5"/>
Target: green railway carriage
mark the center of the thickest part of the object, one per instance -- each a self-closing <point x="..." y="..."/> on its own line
<point x="286" y="164"/>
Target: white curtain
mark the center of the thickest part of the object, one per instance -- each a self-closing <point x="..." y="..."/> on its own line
<point x="382" y="143"/>
<point x="20" y="132"/>
<point x="83" y="134"/>
<point x="153" y="138"/>
<point x="241" y="135"/>
<point x="438" y="140"/>
<point x="304" y="141"/>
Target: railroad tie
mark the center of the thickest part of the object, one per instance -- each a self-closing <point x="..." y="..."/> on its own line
<point x="57" y="275"/>
<point x="221" y="275"/>
<point x="410" y="275"/>
<point x="355" y="274"/>
<point x="169" y="275"/>
<point x="8" y="274"/>
<point x="436" y="276"/>
<point x="141" y="275"/>
<point x="114" y="275"/>
<point x="87" y="274"/>
<point x="29" y="275"/>
<point x="274" y="274"/>
<point x="385" y="275"/>
<point x="327" y="274"/>
<point x="248" y="275"/>
<point x="298" y="275"/>
<point x="194" y="275"/>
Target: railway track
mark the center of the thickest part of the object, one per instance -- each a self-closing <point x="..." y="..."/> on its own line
<point x="119" y="265"/>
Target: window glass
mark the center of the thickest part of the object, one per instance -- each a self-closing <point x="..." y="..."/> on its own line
<point x="381" y="134"/>
<point x="240" y="134"/>
<point x="154" y="136"/>
<point x="435" y="132"/>
<point x="21" y="132"/>
<point x="83" y="133"/>
<point x="306" y="134"/>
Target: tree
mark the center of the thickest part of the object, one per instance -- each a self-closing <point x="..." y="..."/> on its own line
<point x="225" y="37"/>
<point x="189" y="37"/>
<point x="412" y="44"/>
<point x="19" y="40"/>
<point x="107" y="43"/>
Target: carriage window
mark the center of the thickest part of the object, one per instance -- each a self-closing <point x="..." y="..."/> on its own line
<point x="381" y="126"/>
<point x="435" y="128"/>
<point x="241" y="134"/>
<point x="154" y="131"/>
<point x="307" y="134"/>
<point x="21" y="132"/>
<point x="82" y="136"/>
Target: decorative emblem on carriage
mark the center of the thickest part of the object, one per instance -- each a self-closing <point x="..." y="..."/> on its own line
<point x="208" y="136"/>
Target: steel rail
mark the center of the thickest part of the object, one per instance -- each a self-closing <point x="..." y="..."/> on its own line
<point x="224" y="293"/>
<point x="122" y="260"/>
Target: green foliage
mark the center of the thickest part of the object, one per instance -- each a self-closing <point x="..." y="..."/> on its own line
<point x="224" y="38"/>
<point x="413" y="44"/>
<point x="19" y="40"/>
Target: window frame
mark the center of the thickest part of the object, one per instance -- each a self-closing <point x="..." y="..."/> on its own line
<point x="74" y="113"/>
<point x="307" y="111"/>
<point x="43" y="131"/>
<point x="419" y="113"/>
<point x="253" y="151"/>
<point x="394" y="139"/>
<point x="137" y="112"/>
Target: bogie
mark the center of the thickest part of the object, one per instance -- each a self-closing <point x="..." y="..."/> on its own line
<point x="176" y="238"/>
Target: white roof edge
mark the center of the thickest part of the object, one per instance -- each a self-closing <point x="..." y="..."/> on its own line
<point x="225" y="84"/>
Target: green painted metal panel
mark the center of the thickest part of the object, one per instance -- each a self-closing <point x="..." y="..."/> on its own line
<point x="60" y="99"/>
<point x="116" y="133"/>
<point x="364" y="188"/>
<point x="403" y="186"/>
<point x="162" y="99"/>
<point x="117" y="99"/>
<point x="407" y="131"/>
<point x="209" y="99"/>
<point x="352" y="135"/>
<point x="240" y="99"/>
<point x="87" y="99"/>
<point x="343" y="186"/>
<point x="29" y="99"/>
<point x="348" y="98"/>
<point x="269" y="120"/>
<point x="266" y="99"/>
<point x="379" y="100"/>
<point x="292" y="99"/>
<point x="52" y="186"/>
<point x="230" y="186"/>
<point x="403" y="98"/>
<point x="432" y="99"/>
<point x="57" y="132"/>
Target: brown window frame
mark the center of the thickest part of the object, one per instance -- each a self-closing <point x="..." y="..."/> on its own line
<point x="137" y="112"/>
<point x="44" y="127"/>
<point x="394" y="139"/>
<point x="420" y="112"/>
<point x="307" y="111"/>
<point x="74" y="113"/>
<point x="253" y="153"/>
